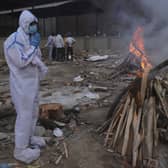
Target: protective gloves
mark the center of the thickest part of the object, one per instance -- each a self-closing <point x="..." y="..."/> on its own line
<point x="35" y="40"/>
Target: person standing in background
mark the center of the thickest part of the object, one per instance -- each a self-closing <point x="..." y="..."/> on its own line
<point x="59" y="44"/>
<point x="69" y="41"/>
<point x="50" y="45"/>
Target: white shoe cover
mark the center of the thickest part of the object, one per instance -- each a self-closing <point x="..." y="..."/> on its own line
<point x="27" y="155"/>
<point x="37" y="141"/>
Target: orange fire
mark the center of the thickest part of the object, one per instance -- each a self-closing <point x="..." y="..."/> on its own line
<point x="137" y="48"/>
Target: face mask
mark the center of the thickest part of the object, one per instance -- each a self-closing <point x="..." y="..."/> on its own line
<point x="33" y="29"/>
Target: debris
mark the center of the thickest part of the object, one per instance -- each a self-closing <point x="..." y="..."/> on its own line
<point x="53" y="111"/>
<point x="60" y="124"/>
<point x="40" y="131"/>
<point x="98" y="88"/>
<point x="8" y="112"/>
<point x="50" y="124"/>
<point x="164" y="134"/>
<point x="69" y="97"/>
<point x="110" y="150"/>
<point x="59" y="159"/>
<point x="48" y="133"/>
<point x="152" y="163"/>
<point x="38" y="166"/>
<point x="57" y="132"/>
<point x="68" y="132"/>
<point x="66" y="150"/>
<point x="72" y="124"/>
<point x="47" y="139"/>
<point x="78" y="79"/>
<point x="93" y="73"/>
<point x="97" y="58"/>
<point x="8" y="102"/>
<point x="3" y="136"/>
<point x="92" y="95"/>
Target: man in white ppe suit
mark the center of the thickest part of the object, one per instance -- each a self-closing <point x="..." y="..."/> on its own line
<point x="23" y="57"/>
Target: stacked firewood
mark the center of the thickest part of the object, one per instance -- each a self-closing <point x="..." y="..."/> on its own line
<point x="131" y="128"/>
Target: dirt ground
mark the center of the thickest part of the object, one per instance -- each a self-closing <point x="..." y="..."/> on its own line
<point x="85" y="146"/>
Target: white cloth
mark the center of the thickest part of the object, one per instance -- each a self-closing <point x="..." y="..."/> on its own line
<point x="70" y="41"/>
<point x="24" y="79"/>
<point x="59" y="41"/>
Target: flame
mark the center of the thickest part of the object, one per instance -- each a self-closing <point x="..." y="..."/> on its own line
<point x="137" y="48"/>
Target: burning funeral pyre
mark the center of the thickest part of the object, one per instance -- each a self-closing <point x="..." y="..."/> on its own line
<point x="131" y="128"/>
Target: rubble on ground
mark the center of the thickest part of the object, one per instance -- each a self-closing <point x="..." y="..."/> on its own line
<point x="75" y="100"/>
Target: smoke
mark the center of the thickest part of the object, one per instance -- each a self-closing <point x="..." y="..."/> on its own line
<point x="157" y="28"/>
<point x="153" y="16"/>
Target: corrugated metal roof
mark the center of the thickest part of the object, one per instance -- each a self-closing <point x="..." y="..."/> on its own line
<point x="48" y="8"/>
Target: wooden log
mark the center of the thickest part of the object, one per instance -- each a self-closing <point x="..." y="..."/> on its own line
<point x="104" y="126"/>
<point x="140" y="158"/>
<point x="149" y="129"/>
<point x="118" y="73"/>
<point x="137" y="136"/>
<point x="49" y="124"/>
<point x="124" y="125"/>
<point x="117" y="102"/>
<point x="112" y="126"/>
<point x="144" y="84"/>
<point x="7" y="113"/>
<point x="59" y="159"/>
<point x="151" y="76"/>
<point x="144" y="127"/>
<point x="66" y="150"/>
<point x="127" y="130"/>
<point x="156" y="69"/>
<point x="121" y="120"/>
<point x="144" y="123"/>
<point x="165" y="84"/>
<point x="156" y="133"/>
<point x="108" y="134"/>
<point x="158" y="89"/>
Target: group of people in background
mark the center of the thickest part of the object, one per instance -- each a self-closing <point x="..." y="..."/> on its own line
<point x="60" y="49"/>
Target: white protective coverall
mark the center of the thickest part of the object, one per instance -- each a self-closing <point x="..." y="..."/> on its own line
<point x="25" y="67"/>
